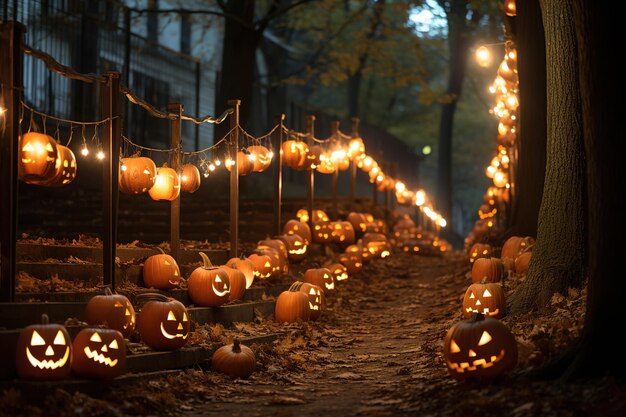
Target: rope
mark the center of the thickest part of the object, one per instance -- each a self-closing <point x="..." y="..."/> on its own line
<point x="192" y="153"/>
<point x="59" y="119"/>
<point x="260" y="138"/>
<point x="59" y="68"/>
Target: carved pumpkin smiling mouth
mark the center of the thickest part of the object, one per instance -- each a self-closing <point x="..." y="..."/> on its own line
<point x="485" y="311"/>
<point x="48" y="363"/>
<point x="99" y="357"/>
<point x="168" y="335"/>
<point x="482" y="362"/>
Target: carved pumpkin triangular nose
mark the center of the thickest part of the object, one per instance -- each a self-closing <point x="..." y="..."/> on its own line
<point x="472" y="353"/>
<point x="180" y="326"/>
<point x="49" y="351"/>
<point x="104" y="348"/>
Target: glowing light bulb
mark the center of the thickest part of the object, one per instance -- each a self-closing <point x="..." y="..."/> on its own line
<point x="426" y="150"/>
<point x="211" y="168"/>
<point x="218" y="163"/>
<point x="100" y="155"/>
<point x="443" y="222"/>
<point x="124" y="168"/>
<point x="84" y="151"/>
<point x="483" y="56"/>
<point x="400" y="187"/>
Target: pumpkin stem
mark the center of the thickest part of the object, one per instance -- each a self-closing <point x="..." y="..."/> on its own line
<point x="295" y="286"/>
<point x="107" y="290"/>
<point x="236" y="346"/>
<point x="206" y="261"/>
<point x="160" y="250"/>
<point x="45" y="319"/>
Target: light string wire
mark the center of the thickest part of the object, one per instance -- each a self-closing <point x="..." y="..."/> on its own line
<point x="258" y="140"/>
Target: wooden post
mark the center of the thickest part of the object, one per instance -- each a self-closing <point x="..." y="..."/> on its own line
<point x="111" y="141"/>
<point x="175" y="134"/>
<point x="310" y="129"/>
<point x="334" y="132"/>
<point x="11" y="38"/>
<point x="278" y="175"/>
<point x="234" y="178"/>
<point x="354" y="134"/>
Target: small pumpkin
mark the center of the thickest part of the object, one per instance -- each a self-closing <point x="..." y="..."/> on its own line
<point x="313" y="156"/>
<point x="322" y="232"/>
<point x="64" y="169"/>
<point x="137" y="175"/>
<point x="44" y="352"/>
<point x="166" y="186"/>
<point x="358" y="221"/>
<point x="163" y="322"/>
<point x="479" y="348"/>
<point x="161" y="272"/>
<point x="189" y="178"/>
<point x="236" y="360"/>
<point x="99" y="353"/>
<point x="113" y="310"/>
<point x="522" y="261"/>
<point x="208" y="286"/>
<point x="487" y="269"/>
<point x="294" y="153"/>
<point x="237" y="281"/>
<point x="262" y="265"/>
<point x="321" y="277"/>
<point x="245" y="266"/>
<point x="515" y="246"/>
<point x="343" y="232"/>
<point x="292" y="306"/>
<point x="37" y="155"/>
<point x="296" y="246"/>
<point x="261" y="157"/>
<point x="295" y="227"/>
<point x="277" y="260"/>
<point x="480" y="250"/>
<point x="245" y="165"/>
<point x="339" y="271"/>
<point x="485" y="298"/>
<point x="316" y="298"/>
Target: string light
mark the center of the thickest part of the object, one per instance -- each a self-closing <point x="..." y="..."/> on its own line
<point x="2" y="110"/>
<point x="100" y="155"/>
<point x="84" y="151"/>
<point x="483" y="56"/>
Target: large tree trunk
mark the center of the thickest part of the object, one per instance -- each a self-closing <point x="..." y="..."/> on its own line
<point x="602" y="92"/>
<point x="459" y="48"/>
<point x="558" y="259"/>
<point x="531" y="143"/>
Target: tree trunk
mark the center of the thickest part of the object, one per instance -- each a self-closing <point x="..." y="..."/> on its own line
<point x="531" y="141"/>
<point x="602" y="92"/>
<point x="354" y="90"/>
<point x="558" y="259"/>
<point x="458" y="45"/>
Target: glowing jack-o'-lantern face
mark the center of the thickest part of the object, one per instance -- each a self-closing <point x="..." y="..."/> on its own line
<point x="278" y="261"/>
<point x="99" y="353"/>
<point x="321" y="277"/>
<point x="137" y="175"/>
<point x="262" y="265"/>
<point x="37" y="157"/>
<point x="480" y="250"/>
<point x="484" y="298"/>
<point x="480" y="348"/>
<point x="296" y="245"/>
<point x="295" y="227"/>
<point x="316" y="298"/>
<point x="164" y="323"/>
<point x="339" y="271"/>
<point x="64" y="169"/>
<point x="43" y="352"/>
<point x="207" y="285"/>
<point x="161" y="272"/>
<point x="166" y="186"/>
<point x="353" y="261"/>
<point x="322" y="232"/>
<point x="113" y="310"/>
<point x="261" y="157"/>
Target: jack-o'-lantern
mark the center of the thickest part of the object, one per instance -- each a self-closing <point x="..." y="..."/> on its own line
<point x="44" y="351"/>
<point x="326" y="165"/>
<point x="322" y="232"/>
<point x="321" y="277"/>
<point x="480" y="250"/>
<point x="261" y="157"/>
<point x="377" y="245"/>
<point x="343" y="232"/>
<point x="296" y="246"/>
<point x="98" y="353"/>
<point x="515" y="246"/>
<point x="262" y="265"/>
<point x="485" y="298"/>
<point x="137" y="175"/>
<point x="161" y="272"/>
<point x="358" y="221"/>
<point x="487" y="269"/>
<point x="37" y="157"/>
<point x="278" y="261"/>
<point x="313" y="156"/>
<point x="208" y="286"/>
<point x="166" y="186"/>
<point x="294" y="154"/>
<point x="276" y="243"/>
<point x="356" y="148"/>
<point x="245" y="165"/>
<point x="237" y="283"/>
<point x="64" y="169"/>
<point x="189" y="178"/>
<point x="235" y="360"/>
<point x="339" y="271"/>
<point x="315" y="295"/>
<point x="479" y="348"/>
<point x="292" y="306"/>
<point x="113" y="310"/>
<point x="245" y="266"/>
<point x="298" y="228"/>
<point x="163" y="323"/>
<point x="353" y="261"/>
<point x="318" y="216"/>
<point x="510" y="8"/>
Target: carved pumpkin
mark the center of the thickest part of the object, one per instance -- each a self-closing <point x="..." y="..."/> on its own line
<point x="292" y="306"/>
<point x="189" y="178"/>
<point x="161" y="272"/>
<point x="262" y="265"/>
<point x="98" y="353"/>
<point x="315" y="295"/>
<point x="356" y="148"/>
<point x="245" y="266"/>
<point x="237" y="281"/>
<point x="515" y="246"/>
<point x="353" y="261"/>
<point x="326" y="165"/>
<point x="261" y="158"/>
<point x="480" y="250"/>
<point x="296" y="246"/>
<point x="522" y="261"/>
<point x="113" y="310"/>
<point x="245" y="165"/>
<point x="64" y="169"/>
<point x="358" y="221"/>
<point x="295" y="227"/>
<point x="137" y="175"/>
<point x="208" y="286"/>
<point x="318" y="216"/>
<point x="163" y="323"/>
<point x="487" y="269"/>
<point x="277" y="244"/>
<point x="485" y="298"/>
<point x="277" y="260"/>
<point x="44" y="351"/>
<point x="343" y="232"/>
<point x="479" y="348"/>
<point x="377" y="245"/>
<point x="339" y="271"/>
<point x="37" y="157"/>
<point x="313" y="155"/>
<point x="321" y="277"/>
<point x="166" y="186"/>
<point x="294" y="154"/>
<point x="236" y="360"/>
<point x="322" y="232"/>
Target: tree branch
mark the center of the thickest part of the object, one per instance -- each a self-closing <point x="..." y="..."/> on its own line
<point x="274" y="12"/>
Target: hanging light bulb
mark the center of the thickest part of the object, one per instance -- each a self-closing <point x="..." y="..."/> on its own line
<point x="483" y="56"/>
<point x="84" y="151"/>
<point x="100" y="155"/>
<point x="510" y="8"/>
<point x="420" y="197"/>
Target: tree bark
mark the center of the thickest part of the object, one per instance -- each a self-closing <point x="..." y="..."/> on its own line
<point x="531" y="140"/>
<point x="558" y="260"/>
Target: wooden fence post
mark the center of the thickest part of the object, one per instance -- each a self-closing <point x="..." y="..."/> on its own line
<point x="310" y="129"/>
<point x="234" y="178"/>
<point x="175" y="134"/>
<point x="278" y="175"/>
<point x="111" y="141"/>
<point x="354" y="134"/>
<point x="334" y="131"/>
<point x="11" y="38"/>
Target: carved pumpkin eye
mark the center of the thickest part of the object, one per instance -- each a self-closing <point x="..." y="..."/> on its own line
<point x="454" y="348"/>
<point x="170" y="316"/>
<point x="185" y="316"/>
<point x="127" y="313"/>
<point x="113" y="344"/>
<point x="267" y="264"/>
<point x="95" y="338"/>
<point x="36" y="339"/>
<point x="484" y="339"/>
<point x="472" y="295"/>
<point x="485" y="252"/>
<point x="118" y="304"/>
<point x="312" y="291"/>
<point x="486" y="293"/>
<point x="166" y="263"/>
<point x="59" y="339"/>
<point x="472" y="353"/>
<point x="218" y="279"/>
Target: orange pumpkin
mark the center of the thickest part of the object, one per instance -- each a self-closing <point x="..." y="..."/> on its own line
<point x="316" y="298"/>
<point x="64" y="169"/>
<point x="522" y="261"/>
<point x="261" y="158"/>
<point x="262" y="265"/>
<point x="37" y="155"/>
<point x="208" y="286"/>
<point x="137" y="175"/>
<point x="237" y="281"/>
<point x="295" y="227"/>
<point x="292" y="306"/>
<point x="112" y="310"/>
<point x="480" y="250"/>
<point x="321" y="277"/>
<point x="487" y="269"/>
<point x="163" y="322"/>
<point x="235" y="360"/>
<point x="166" y="186"/>
<point x="161" y="272"/>
<point x="245" y="266"/>
<point x="189" y="179"/>
<point x="485" y="298"/>
<point x="296" y="246"/>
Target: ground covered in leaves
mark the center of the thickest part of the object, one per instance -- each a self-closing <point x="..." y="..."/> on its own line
<point x="376" y="351"/>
